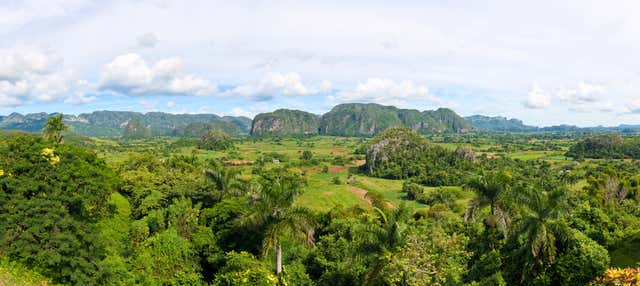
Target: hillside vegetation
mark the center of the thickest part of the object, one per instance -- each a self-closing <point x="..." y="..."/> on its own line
<point x="357" y="119"/>
<point x="402" y="208"/>
<point x="606" y="146"/>
<point x="285" y="122"/>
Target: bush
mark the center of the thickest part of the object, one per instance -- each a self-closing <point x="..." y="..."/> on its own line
<point x="414" y="191"/>
<point x="215" y="140"/>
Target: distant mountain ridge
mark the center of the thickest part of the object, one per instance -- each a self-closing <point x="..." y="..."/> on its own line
<point x="113" y="123"/>
<point x="499" y="123"/>
<point x="357" y="119"/>
<point x="350" y="119"/>
<point x="503" y="124"/>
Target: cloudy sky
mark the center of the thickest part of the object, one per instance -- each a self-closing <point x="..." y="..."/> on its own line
<point x="546" y="62"/>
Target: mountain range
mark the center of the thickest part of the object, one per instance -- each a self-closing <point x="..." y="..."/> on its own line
<point x="351" y="119"/>
<point x="503" y="124"/>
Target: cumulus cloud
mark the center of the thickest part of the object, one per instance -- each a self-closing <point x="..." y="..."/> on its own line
<point x="19" y="63"/>
<point x="386" y="91"/>
<point x="29" y="74"/>
<point x="583" y="97"/>
<point x="583" y="92"/>
<point x="278" y="83"/>
<point x="537" y="98"/>
<point x="131" y="74"/>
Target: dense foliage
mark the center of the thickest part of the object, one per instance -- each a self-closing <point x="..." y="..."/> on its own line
<point x="606" y="146"/>
<point x="451" y="209"/>
<point x="215" y="140"/>
<point x="400" y="153"/>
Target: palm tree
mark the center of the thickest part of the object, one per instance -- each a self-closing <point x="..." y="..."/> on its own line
<point x="542" y="226"/>
<point x="385" y="236"/>
<point x="492" y="191"/>
<point x="226" y="181"/>
<point x="53" y="128"/>
<point x="271" y="207"/>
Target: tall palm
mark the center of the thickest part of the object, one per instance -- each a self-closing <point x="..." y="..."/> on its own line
<point x="385" y="236"/>
<point x="272" y="208"/>
<point x="542" y="226"/>
<point x="53" y="128"/>
<point x="226" y="181"/>
<point x="492" y="191"/>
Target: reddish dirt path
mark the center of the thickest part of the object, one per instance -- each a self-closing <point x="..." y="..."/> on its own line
<point x="361" y="193"/>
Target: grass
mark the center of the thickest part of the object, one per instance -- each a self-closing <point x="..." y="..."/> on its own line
<point x="14" y="274"/>
<point x="323" y="195"/>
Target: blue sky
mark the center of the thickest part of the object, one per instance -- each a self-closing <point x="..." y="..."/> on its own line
<point x="546" y="62"/>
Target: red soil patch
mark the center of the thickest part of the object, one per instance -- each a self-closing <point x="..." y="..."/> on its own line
<point x="238" y="162"/>
<point x="361" y="193"/>
<point x="336" y="169"/>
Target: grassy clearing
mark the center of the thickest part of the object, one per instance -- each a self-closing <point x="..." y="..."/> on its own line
<point x="14" y="274"/>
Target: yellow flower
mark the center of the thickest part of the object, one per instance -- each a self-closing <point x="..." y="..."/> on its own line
<point x="1" y="172"/>
<point x="48" y="153"/>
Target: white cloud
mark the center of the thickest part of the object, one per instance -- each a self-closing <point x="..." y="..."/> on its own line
<point x="278" y="83"/>
<point x="386" y="91"/>
<point x="537" y="98"/>
<point x="583" y="92"/>
<point x="148" y="40"/>
<point x="28" y="74"/>
<point x="131" y="74"/>
<point x="170" y="104"/>
<point x="19" y="63"/>
<point x="634" y="106"/>
<point x="588" y="107"/>
<point x="79" y="98"/>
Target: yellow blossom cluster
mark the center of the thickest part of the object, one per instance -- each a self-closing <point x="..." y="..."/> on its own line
<point x="620" y="276"/>
<point x="48" y="153"/>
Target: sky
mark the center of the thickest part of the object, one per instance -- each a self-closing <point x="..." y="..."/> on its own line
<point x="544" y="62"/>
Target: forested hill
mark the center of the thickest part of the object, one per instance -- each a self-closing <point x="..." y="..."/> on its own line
<point x="357" y="119"/>
<point x="353" y="119"/>
<point x="285" y="122"/>
<point x="113" y="123"/>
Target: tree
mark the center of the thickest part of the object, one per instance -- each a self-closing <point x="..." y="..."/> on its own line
<point x="244" y="269"/>
<point x="540" y="231"/>
<point x="492" y="191"/>
<point x="225" y="180"/>
<point x="306" y="155"/>
<point x="49" y="208"/>
<point x="215" y="140"/>
<point x="272" y="209"/>
<point x="53" y="128"/>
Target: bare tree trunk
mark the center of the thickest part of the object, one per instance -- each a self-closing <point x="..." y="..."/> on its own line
<point x="278" y="259"/>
